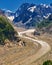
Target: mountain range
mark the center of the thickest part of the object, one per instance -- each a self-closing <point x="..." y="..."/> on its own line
<point x="46" y="25"/>
<point x="28" y="15"/>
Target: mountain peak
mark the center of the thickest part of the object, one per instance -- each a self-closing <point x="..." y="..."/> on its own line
<point x="29" y="14"/>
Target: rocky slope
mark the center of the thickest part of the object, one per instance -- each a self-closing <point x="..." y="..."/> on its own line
<point x="28" y="15"/>
<point x="9" y="14"/>
<point x="46" y="25"/>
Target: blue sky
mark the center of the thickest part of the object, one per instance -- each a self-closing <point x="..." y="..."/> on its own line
<point x="14" y="4"/>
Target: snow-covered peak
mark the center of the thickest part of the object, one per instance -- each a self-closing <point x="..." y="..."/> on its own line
<point x="44" y="5"/>
<point x="8" y="11"/>
<point x="47" y="6"/>
<point x="32" y="8"/>
<point x="45" y="17"/>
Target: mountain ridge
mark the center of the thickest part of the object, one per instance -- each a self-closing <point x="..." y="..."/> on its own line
<point x="29" y="14"/>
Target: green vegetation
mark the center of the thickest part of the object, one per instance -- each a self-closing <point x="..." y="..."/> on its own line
<point x="44" y="23"/>
<point x="45" y="26"/>
<point x="6" y="30"/>
<point x="48" y="62"/>
<point x="47" y="23"/>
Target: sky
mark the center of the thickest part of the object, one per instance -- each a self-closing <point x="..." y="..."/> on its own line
<point x="14" y="4"/>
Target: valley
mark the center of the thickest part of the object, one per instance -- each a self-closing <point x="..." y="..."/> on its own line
<point x="47" y="56"/>
<point x="26" y="35"/>
<point x="25" y="55"/>
<point x="18" y="54"/>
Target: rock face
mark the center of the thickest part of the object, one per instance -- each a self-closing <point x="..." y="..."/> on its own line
<point x="28" y="15"/>
<point x="46" y="25"/>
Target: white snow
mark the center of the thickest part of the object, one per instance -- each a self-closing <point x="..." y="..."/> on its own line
<point x="47" y="6"/>
<point x="28" y="21"/>
<point x="7" y="10"/>
<point x="44" y="5"/>
<point x="32" y="8"/>
<point x="16" y="15"/>
<point x="47" y="16"/>
<point x="11" y="18"/>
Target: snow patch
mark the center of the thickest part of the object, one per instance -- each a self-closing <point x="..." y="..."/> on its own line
<point x="28" y="21"/>
<point x="8" y="11"/>
<point x="47" y="6"/>
<point x="47" y="16"/>
<point x="11" y="18"/>
<point x="32" y="8"/>
<point x="44" y="5"/>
